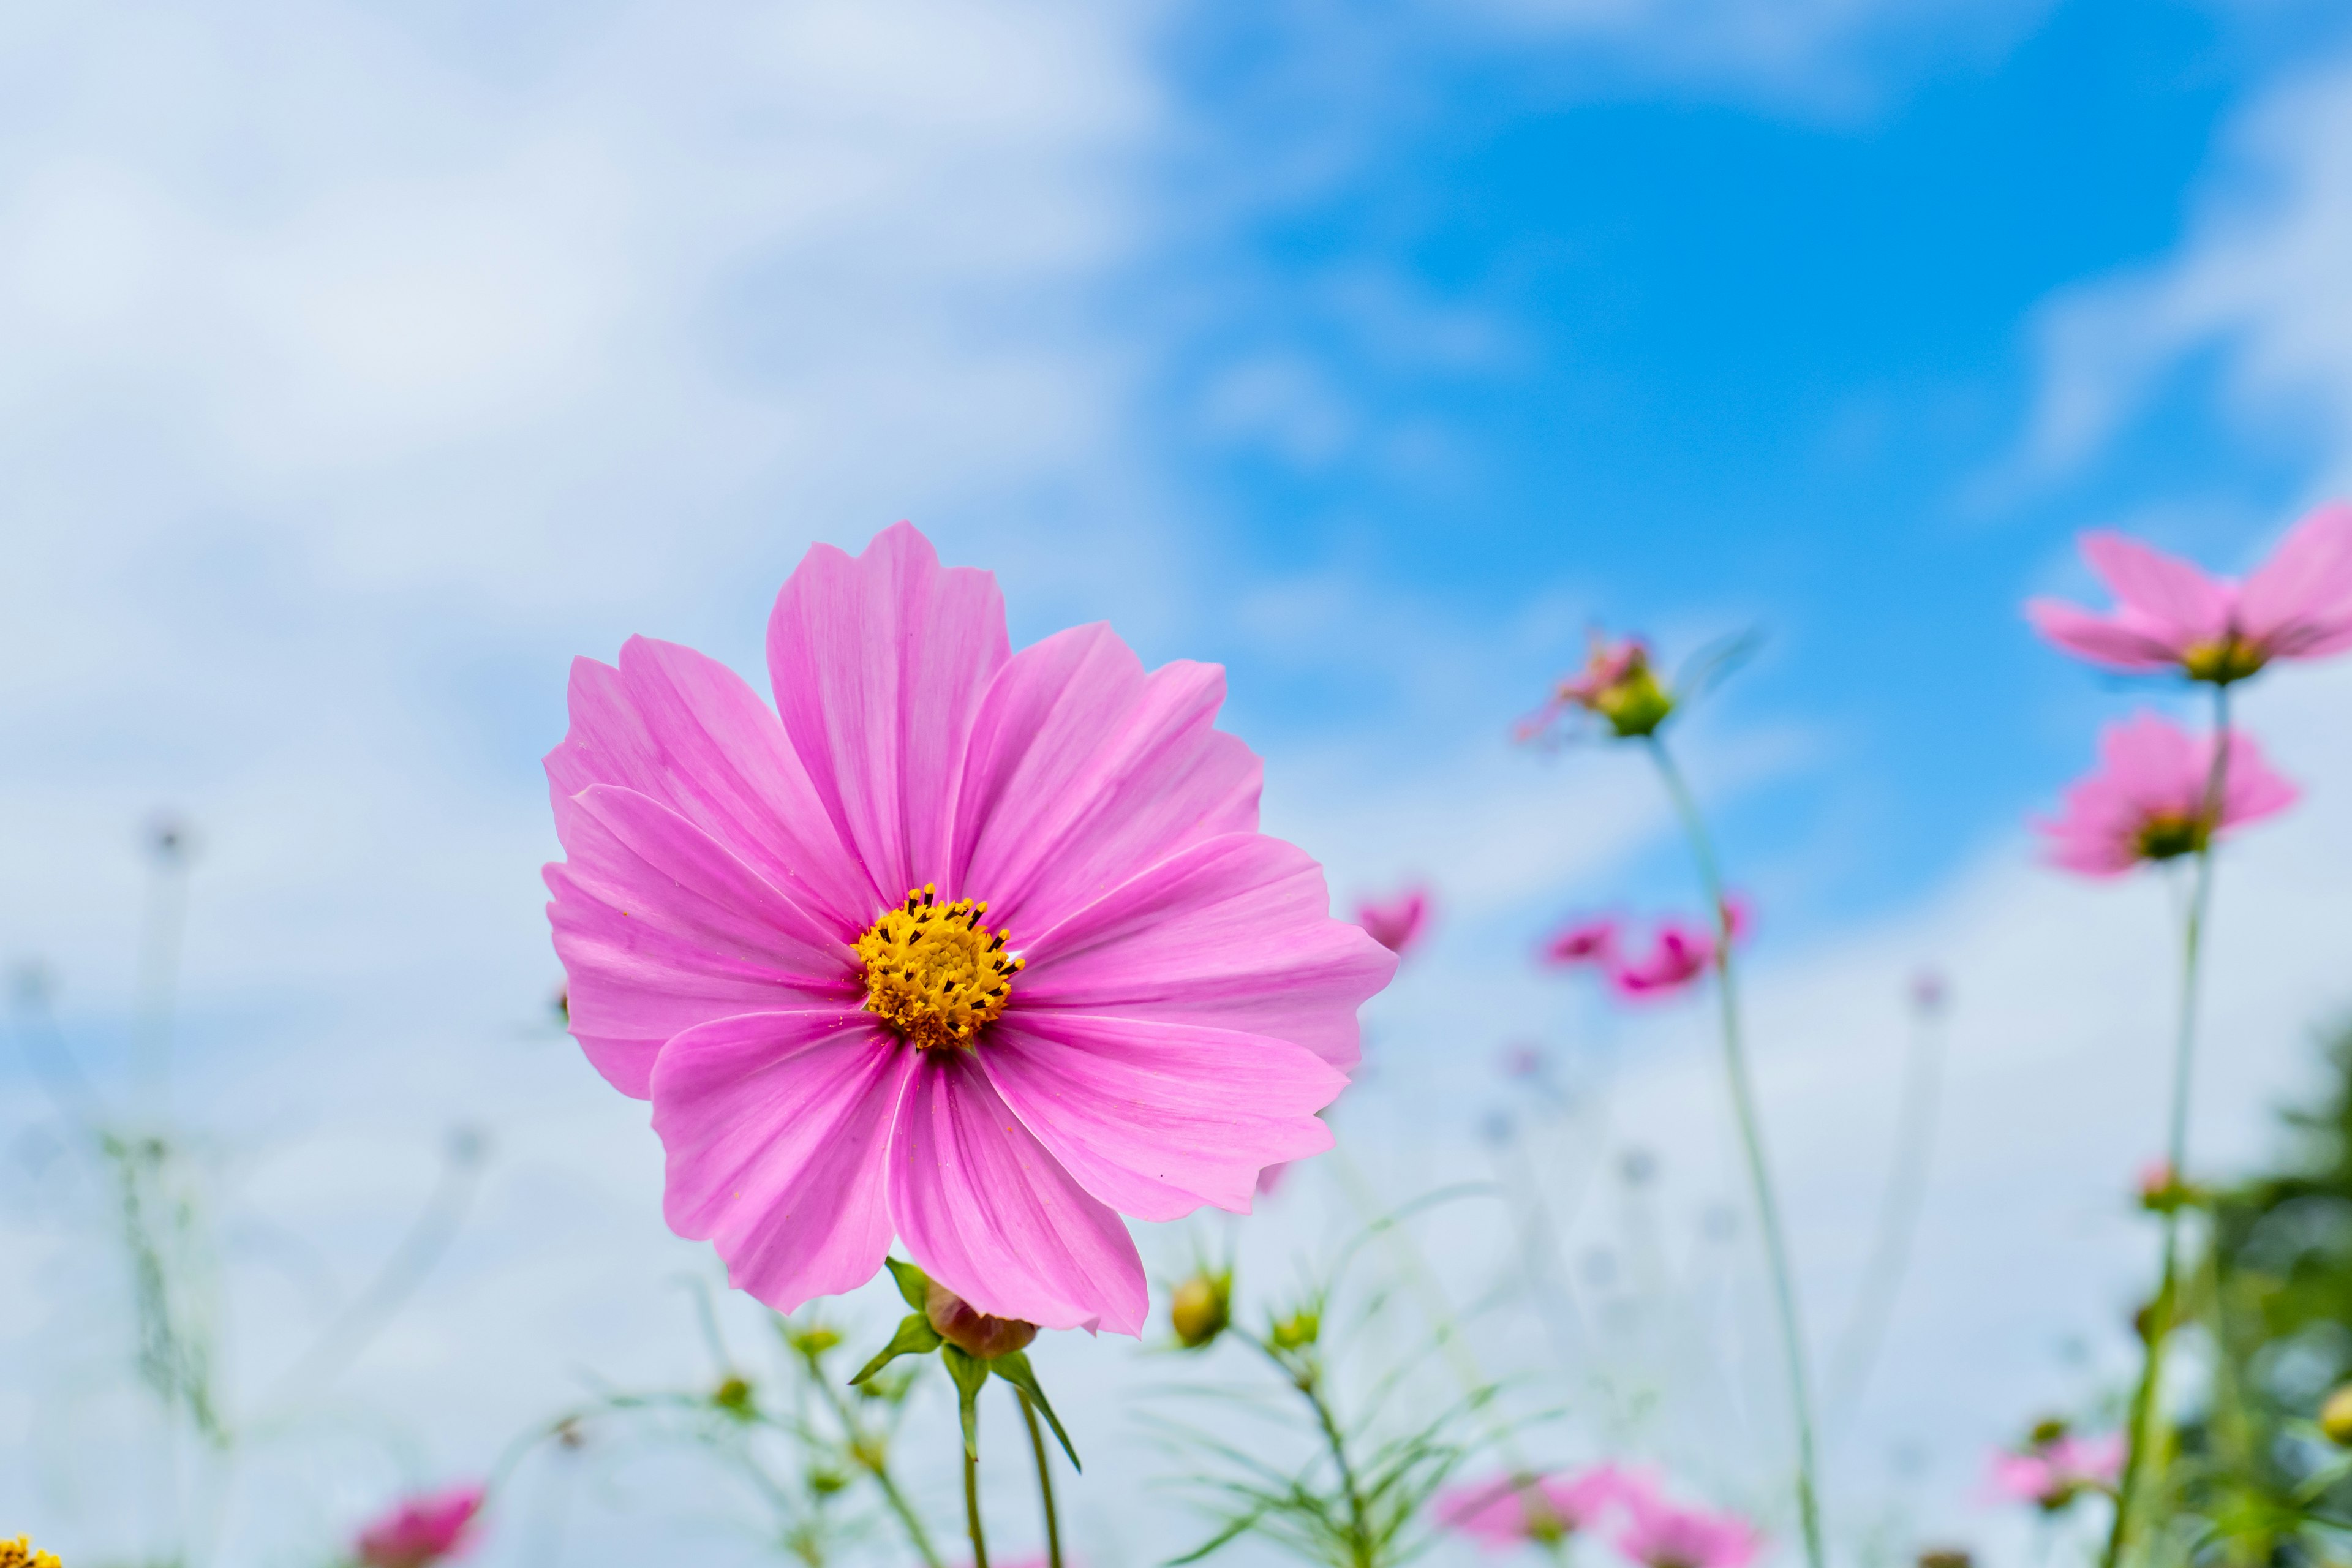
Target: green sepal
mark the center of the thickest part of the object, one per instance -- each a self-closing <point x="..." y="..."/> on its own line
<point x="913" y="1283"/>
<point x="1013" y="1368"/>
<point x="915" y="1337"/>
<point x="970" y="1375"/>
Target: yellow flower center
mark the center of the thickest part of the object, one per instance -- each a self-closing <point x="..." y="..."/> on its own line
<point x="933" y="972"/>
<point x="19" y="1553"/>
<point x="2223" y="660"/>
<point x="2170" y="836"/>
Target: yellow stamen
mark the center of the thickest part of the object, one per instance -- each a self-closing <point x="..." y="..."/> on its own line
<point x="19" y="1553"/>
<point x="933" y="972"/>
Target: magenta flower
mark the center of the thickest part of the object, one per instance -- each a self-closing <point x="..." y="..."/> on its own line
<point x="1617" y="685"/>
<point x="1395" y="923"/>
<point x="2169" y="614"/>
<point x="422" y="1530"/>
<point x="2055" y="1471"/>
<point x="1660" y="1534"/>
<point x="1679" y="952"/>
<point x="2147" y="799"/>
<point x="1592" y="940"/>
<point x="773" y="924"/>
<point x="1510" y="1509"/>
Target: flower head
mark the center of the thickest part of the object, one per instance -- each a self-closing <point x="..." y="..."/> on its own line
<point x="19" y="1553"/>
<point x="2148" y="801"/>
<point x="1201" y="1308"/>
<point x="1507" y="1510"/>
<point x="1678" y="953"/>
<point x="978" y="949"/>
<point x="2057" y="1468"/>
<point x="1661" y="1534"/>
<point x="2169" y="614"/>
<point x="1617" y="685"/>
<point x="422" y="1530"/>
<point x="1395" y="923"/>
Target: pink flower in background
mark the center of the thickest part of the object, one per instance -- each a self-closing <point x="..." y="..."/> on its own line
<point x="1617" y="685"/>
<point x="2055" y="1472"/>
<point x="1591" y="940"/>
<point x="976" y="948"/>
<point x="2147" y="799"/>
<point x="1395" y="923"/>
<point x="1661" y="1534"/>
<point x="1508" y="1510"/>
<point x="422" y="1530"/>
<point x="2170" y="614"/>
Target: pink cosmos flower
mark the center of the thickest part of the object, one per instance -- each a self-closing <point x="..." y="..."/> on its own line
<point x="1508" y="1510"/>
<point x="422" y="1530"/>
<point x="2169" y="614"/>
<point x="2051" y="1474"/>
<point x="1617" y="686"/>
<point x="1590" y="940"/>
<point x="1395" y="923"/>
<point x="1661" y="1534"/>
<point x="772" y="920"/>
<point x="2147" y="799"/>
<point x="1678" y="953"/>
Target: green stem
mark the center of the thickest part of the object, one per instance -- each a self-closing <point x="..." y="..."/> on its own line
<point x="971" y="1506"/>
<point x="2142" y="1422"/>
<point x="870" y="1457"/>
<point x="1751" y="1140"/>
<point x="1045" y="1484"/>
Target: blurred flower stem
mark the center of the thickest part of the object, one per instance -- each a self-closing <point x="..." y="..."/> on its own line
<point x="971" y="1508"/>
<point x="868" y="1450"/>
<point x="1045" y="1482"/>
<point x="2140" y="1426"/>
<point x="1751" y="1139"/>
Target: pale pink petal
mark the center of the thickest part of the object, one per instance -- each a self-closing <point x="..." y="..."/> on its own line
<point x="687" y="731"/>
<point x="2180" y="602"/>
<point x="1084" y="771"/>
<point x="1234" y="933"/>
<point x="777" y="1128"/>
<point x="2099" y="638"/>
<point x="878" y="663"/>
<point x="660" y="928"/>
<point x="2304" y="592"/>
<point x="1157" y="1119"/>
<point x="2250" y="789"/>
<point x="987" y="1212"/>
<point x="2154" y="765"/>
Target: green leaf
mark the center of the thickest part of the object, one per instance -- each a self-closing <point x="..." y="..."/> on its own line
<point x="1013" y="1368"/>
<point x="970" y="1375"/>
<point x="915" y="1337"/>
<point x="913" y="1284"/>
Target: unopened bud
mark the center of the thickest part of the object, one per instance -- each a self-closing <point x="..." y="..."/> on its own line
<point x="1201" y="1309"/>
<point x="1297" y="1330"/>
<point x="971" y="1331"/>
<point x="2046" y="1431"/>
<point x="1945" y="1557"/>
<point x="824" y="1482"/>
<point x="733" y="1396"/>
<point x="2335" y="1416"/>
<point x="812" y="1341"/>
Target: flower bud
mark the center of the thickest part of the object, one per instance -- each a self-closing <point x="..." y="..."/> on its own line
<point x="1619" y="685"/>
<point x="733" y="1396"/>
<point x="974" y="1332"/>
<point x="2336" y="1416"/>
<point x="1297" y="1330"/>
<point x="1946" y="1557"/>
<point x="1201" y="1309"/>
<point x="811" y="1340"/>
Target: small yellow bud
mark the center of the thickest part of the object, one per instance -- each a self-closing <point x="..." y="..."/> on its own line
<point x="2335" y="1416"/>
<point x="733" y="1396"/>
<point x="1297" y="1330"/>
<point x="1200" y="1309"/>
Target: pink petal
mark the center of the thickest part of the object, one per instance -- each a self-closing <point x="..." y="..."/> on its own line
<point x="2303" y="595"/>
<point x="2099" y="638"/>
<point x="1157" y="1119"/>
<point x="1234" y="933"/>
<point x="1084" y="771"/>
<point x="2180" y="602"/>
<point x="986" y="1211"/>
<point x="777" y="1127"/>
<point x="687" y="731"/>
<point x="660" y="928"/>
<point x="878" y="664"/>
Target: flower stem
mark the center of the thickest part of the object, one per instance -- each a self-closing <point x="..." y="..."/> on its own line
<point x="1751" y="1140"/>
<point x="2141" y="1426"/>
<point x="873" y="1459"/>
<point x="972" y="1508"/>
<point x="1045" y="1484"/>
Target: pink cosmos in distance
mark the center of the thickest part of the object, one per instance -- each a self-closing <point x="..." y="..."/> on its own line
<point x="2170" y="614"/>
<point x="1661" y="1534"/>
<point x="1396" y="923"/>
<point x="2146" y="800"/>
<point x="2053" y="1474"/>
<point x="976" y="948"/>
<point x="1508" y="1510"/>
<point x="1679" y="952"/>
<point x="422" y="1530"/>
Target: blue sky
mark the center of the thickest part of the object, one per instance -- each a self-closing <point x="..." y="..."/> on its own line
<point x="360" y="364"/>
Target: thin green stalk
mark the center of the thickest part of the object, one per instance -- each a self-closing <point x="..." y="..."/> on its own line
<point x="2140" y="1426"/>
<point x="972" y="1507"/>
<point x="871" y="1457"/>
<point x="1751" y="1140"/>
<point x="1045" y="1484"/>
